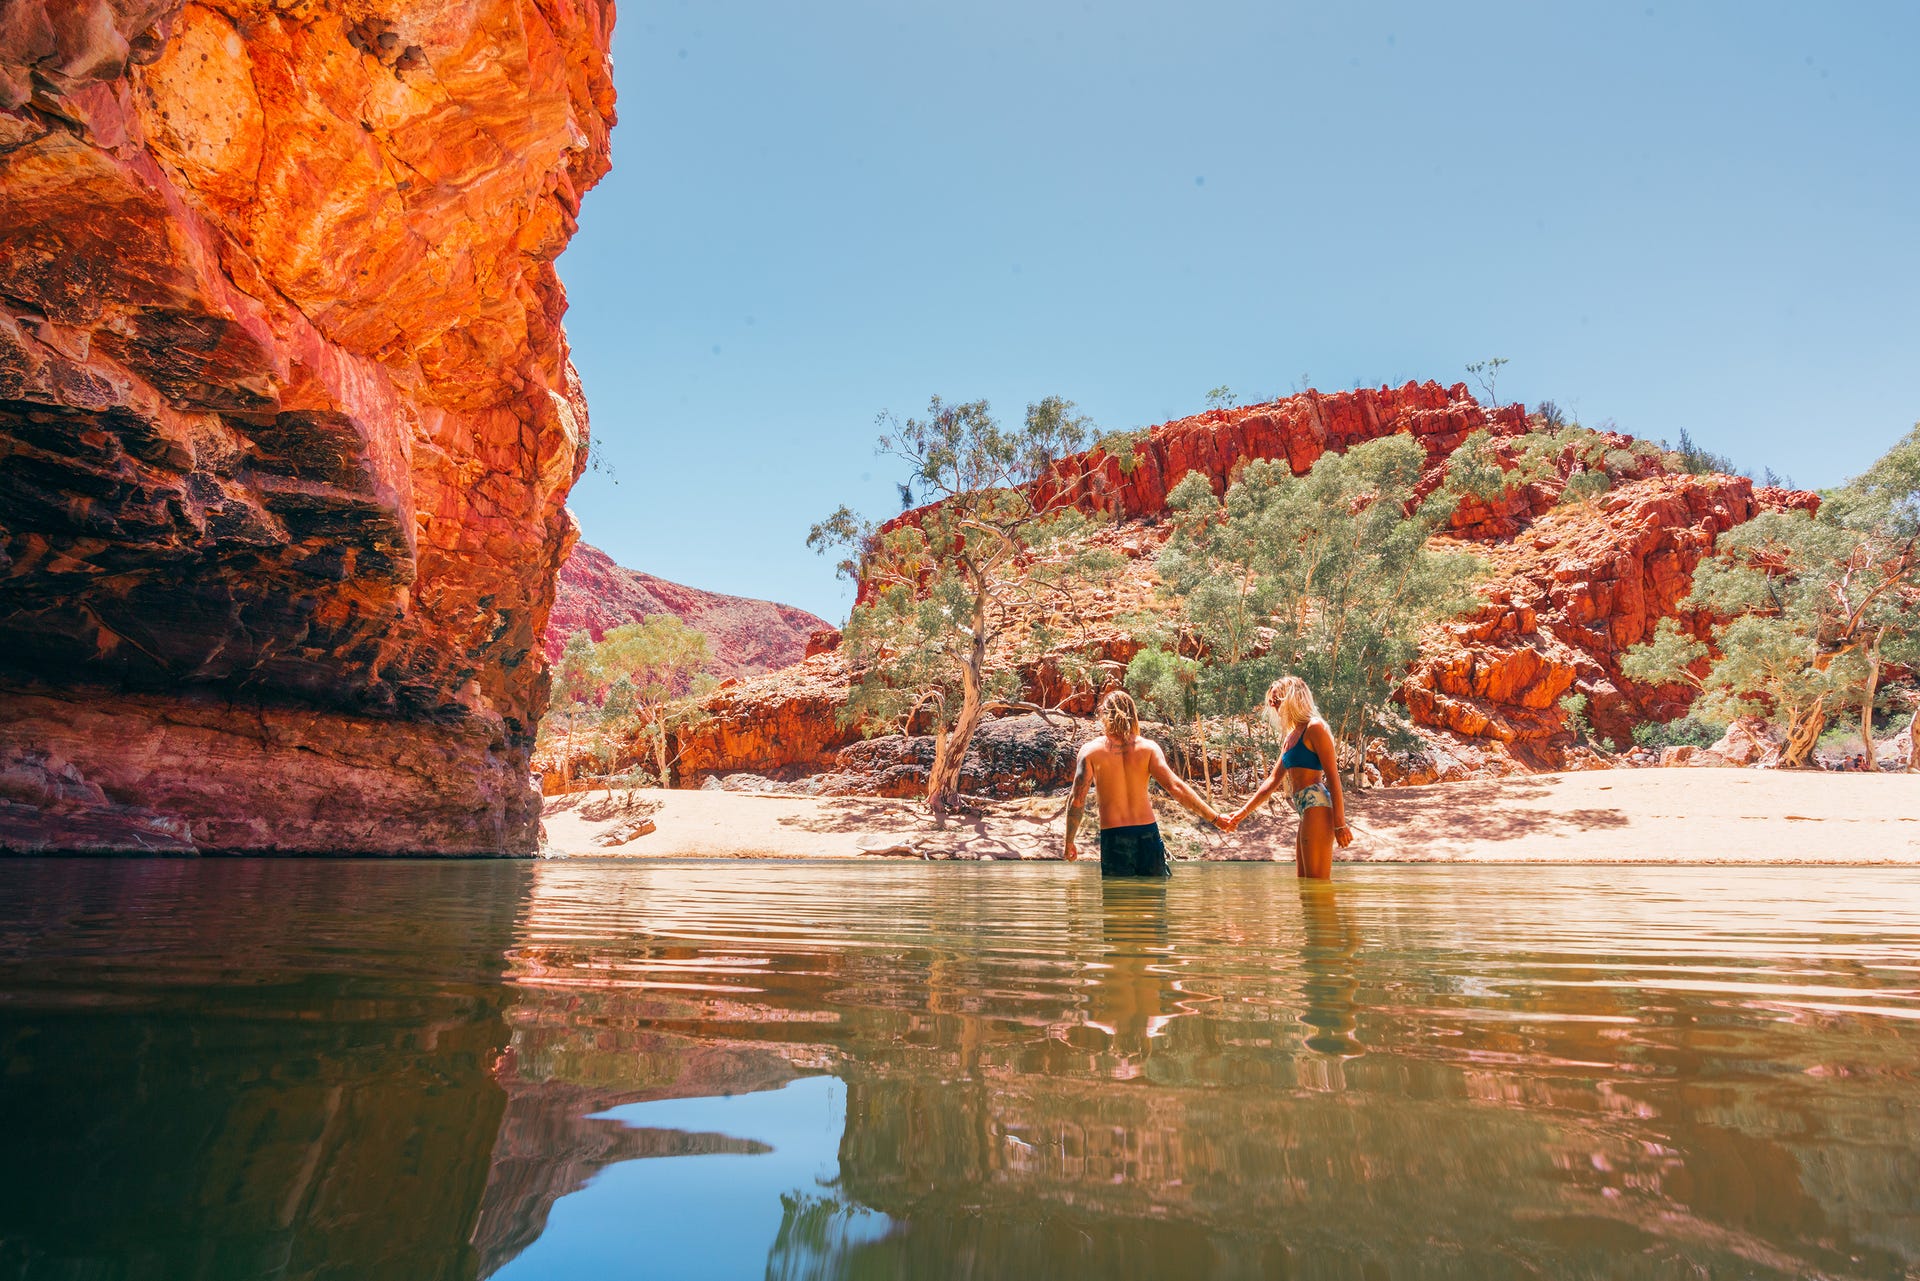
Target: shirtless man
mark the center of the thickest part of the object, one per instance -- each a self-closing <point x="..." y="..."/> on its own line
<point x="1118" y="765"/>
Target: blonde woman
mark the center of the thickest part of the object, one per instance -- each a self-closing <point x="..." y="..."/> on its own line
<point x="1309" y="771"/>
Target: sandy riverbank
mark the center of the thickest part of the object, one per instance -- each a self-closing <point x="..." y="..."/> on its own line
<point x="1605" y="816"/>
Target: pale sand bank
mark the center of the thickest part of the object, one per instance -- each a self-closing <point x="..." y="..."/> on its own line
<point x="1602" y="816"/>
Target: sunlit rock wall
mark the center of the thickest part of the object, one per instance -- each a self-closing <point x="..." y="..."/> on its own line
<point x="287" y="420"/>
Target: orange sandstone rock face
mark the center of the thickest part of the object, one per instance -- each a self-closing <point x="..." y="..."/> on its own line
<point x="287" y="421"/>
<point x="1297" y="429"/>
<point x="1570" y="595"/>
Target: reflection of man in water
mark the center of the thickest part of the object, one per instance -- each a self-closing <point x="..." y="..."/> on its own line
<point x="1118" y="765"/>
<point x="1132" y="997"/>
<point x="1328" y="954"/>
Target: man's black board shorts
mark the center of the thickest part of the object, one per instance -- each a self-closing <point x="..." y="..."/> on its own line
<point x="1133" y="851"/>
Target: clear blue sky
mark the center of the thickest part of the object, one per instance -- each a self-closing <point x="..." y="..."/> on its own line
<point x="1684" y="215"/>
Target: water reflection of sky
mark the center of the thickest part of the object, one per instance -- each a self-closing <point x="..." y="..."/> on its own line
<point x="719" y="1215"/>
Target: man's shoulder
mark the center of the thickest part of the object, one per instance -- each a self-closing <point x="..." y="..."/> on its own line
<point x="1104" y="746"/>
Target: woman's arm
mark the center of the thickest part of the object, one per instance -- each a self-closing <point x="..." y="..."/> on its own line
<point x="1267" y="788"/>
<point x="1163" y="774"/>
<point x="1329" y="753"/>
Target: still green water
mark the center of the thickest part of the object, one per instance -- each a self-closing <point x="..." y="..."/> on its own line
<point x="587" y="1070"/>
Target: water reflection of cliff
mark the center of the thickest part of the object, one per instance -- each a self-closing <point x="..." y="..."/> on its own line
<point x="243" y="1070"/>
<point x="551" y="1143"/>
<point x="253" y="1071"/>
<point x="278" y="1070"/>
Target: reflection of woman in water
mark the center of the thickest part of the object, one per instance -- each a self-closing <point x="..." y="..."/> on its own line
<point x="1328" y="957"/>
<point x="1308" y="769"/>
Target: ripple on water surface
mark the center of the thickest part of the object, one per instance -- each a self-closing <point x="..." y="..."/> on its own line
<point x="778" y="1069"/>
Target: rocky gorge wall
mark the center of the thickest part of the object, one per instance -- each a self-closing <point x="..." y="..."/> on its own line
<point x="1570" y="588"/>
<point x="287" y="420"/>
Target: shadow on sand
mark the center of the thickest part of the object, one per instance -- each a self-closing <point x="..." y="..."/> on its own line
<point x="1400" y="814"/>
<point x="1012" y="831"/>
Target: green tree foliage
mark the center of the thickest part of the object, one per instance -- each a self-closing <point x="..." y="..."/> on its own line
<point x="1168" y="685"/>
<point x="1882" y="506"/>
<point x="1487" y="467"/>
<point x="1816" y="608"/>
<point x="1690" y="456"/>
<point x="577" y="681"/>
<point x="1326" y="575"/>
<point x="577" y="677"/>
<point x="1575" y="706"/>
<point x="1885" y="499"/>
<point x="660" y="661"/>
<point x="944" y="588"/>
<point x="1687" y="731"/>
<point x="618" y="704"/>
<point x="1221" y="397"/>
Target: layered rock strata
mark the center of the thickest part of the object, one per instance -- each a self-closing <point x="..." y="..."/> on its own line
<point x="287" y="420"/>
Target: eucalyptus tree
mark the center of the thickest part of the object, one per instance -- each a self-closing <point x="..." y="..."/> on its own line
<point x="1882" y="505"/>
<point x="578" y="679"/>
<point x="662" y="661"/>
<point x="971" y="576"/>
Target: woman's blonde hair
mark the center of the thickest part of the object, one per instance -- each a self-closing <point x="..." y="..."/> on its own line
<point x="1290" y="705"/>
<point x="1118" y="716"/>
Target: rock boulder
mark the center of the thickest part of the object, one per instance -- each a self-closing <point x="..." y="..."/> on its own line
<point x="1748" y="741"/>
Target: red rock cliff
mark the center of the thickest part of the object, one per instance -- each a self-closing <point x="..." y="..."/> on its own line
<point x="745" y="637"/>
<point x="287" y="420"/>
<point x="1572" y="588"/>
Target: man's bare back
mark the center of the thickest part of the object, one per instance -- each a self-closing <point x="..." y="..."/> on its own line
<point x="1118" y="765"/>
<point x="1119" y="773"/>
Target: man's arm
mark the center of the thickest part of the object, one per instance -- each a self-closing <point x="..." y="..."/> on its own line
<point x="1077" y="802"/>
<point x="1177" y="787"/>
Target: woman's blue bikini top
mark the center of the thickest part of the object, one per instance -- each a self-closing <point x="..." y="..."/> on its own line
<point x="1300" y="756"/>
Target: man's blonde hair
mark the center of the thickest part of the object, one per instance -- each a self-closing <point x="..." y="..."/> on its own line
<point x="1118" y="716"/>
<point x="1290" y="705"/>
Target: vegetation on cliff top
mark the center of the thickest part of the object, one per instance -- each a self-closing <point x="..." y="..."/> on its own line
<point x="1328" y="576"/>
